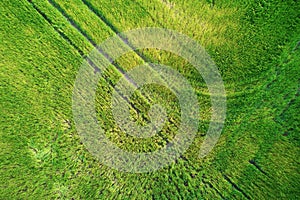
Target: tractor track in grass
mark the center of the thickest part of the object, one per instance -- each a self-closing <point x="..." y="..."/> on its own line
<point x="102" y="18"/>
<point x="258" y="167"/>
<point x="96" y="11"/>
<point x="35" y="87"/>
<point x="56" y="29"/>
<point x="82" y="55"/>
<point x="91" y="63"/>
<point x="91" y="41"/>
<point x="213" y="187"/>
<point x="89" y="38"/>
<point x="292" y="101"/>
<point x="235" y="186"/>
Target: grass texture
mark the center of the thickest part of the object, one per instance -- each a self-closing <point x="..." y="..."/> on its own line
<point x="255" y="45"/>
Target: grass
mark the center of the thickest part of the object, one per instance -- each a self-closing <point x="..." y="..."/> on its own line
<point x="254" y="44"/>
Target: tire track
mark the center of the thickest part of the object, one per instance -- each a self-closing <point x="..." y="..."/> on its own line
<point x="64" y="36"/>
<point x="235" y="186"/>
<point x="130" y="81"/>
<point x="292" y="101"/>
<point x="119" y="68"/>
<point x="100" y="15"/>
<point x="90" y="62"/>
<point x="212" y="187"/>
<point x="107" y="57"/>
<point x="90" y="39"/>
<point x="253" y="162"/>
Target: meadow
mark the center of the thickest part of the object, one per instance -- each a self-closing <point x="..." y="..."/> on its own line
<point x="256" y="47"/>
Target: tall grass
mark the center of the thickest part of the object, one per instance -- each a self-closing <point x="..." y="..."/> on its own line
<point x="252" y="42"/>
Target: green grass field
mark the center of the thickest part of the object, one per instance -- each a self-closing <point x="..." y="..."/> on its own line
<point x="256" y="47"/>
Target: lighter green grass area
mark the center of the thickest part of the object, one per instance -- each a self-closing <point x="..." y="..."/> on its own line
<point x="255" y="46"/>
